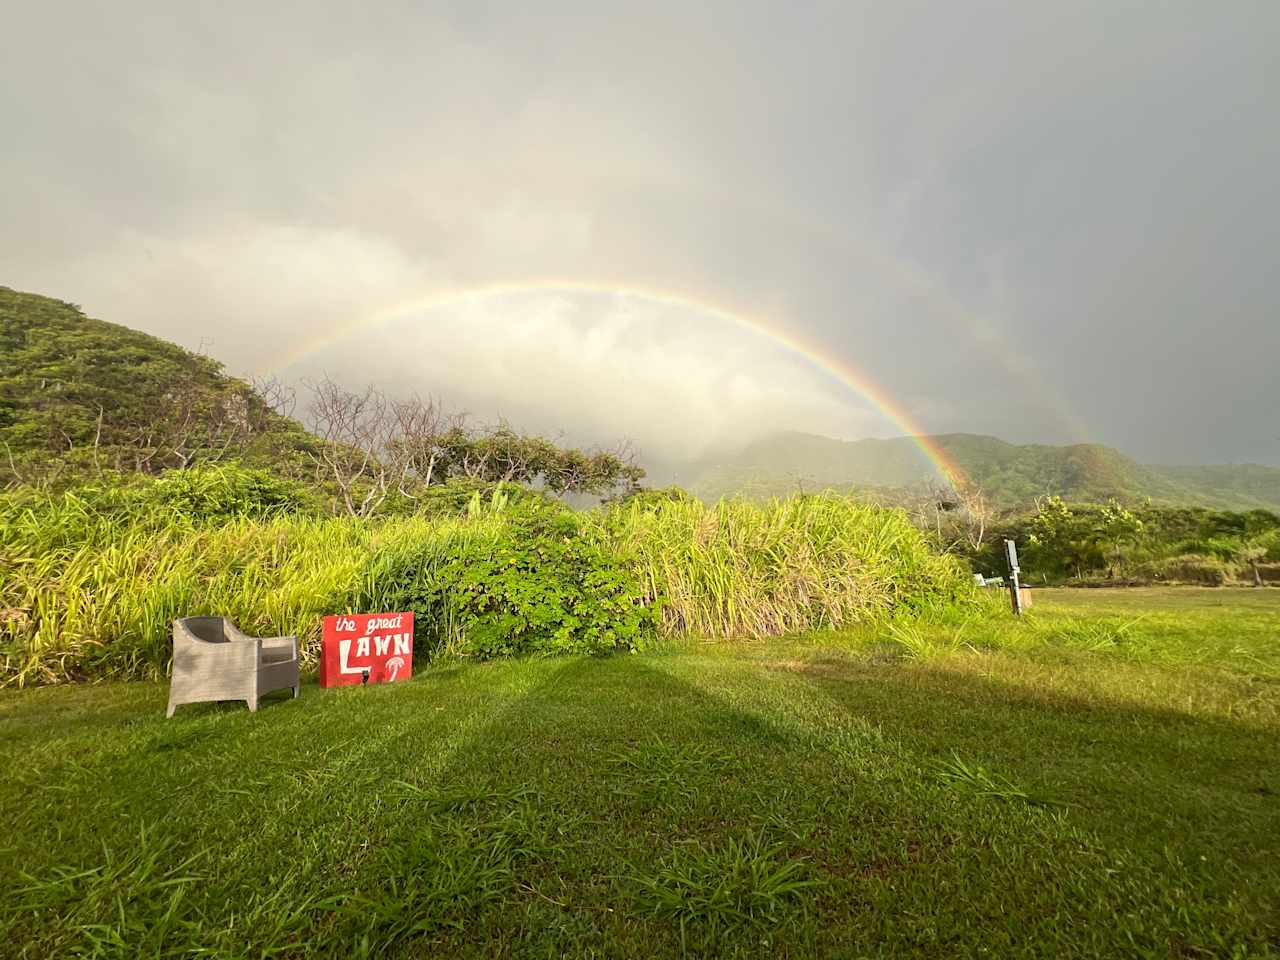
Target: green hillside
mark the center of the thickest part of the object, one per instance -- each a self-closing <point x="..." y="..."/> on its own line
<point x="1009" y="474"/>
<point x="1249" y="485"/>
<point x="81" y="394"/>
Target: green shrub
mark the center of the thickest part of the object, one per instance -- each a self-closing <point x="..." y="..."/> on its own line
<point x="1223" y="548"/>
<point x="541" y="581"/>
<point x="1089" y="542"/>
<point x="656" y="497"/>
<point x="105" y="608"/>
<point x="39" y="521"/>
<point x="1189" y="568"/>
<point x="452" y="498"/>
<point x="213" y="494"/>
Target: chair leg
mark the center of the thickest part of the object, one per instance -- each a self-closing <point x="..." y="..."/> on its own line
<point x="296" y="688"/>
<point x="253" y="704"/>
<point x="172" y="709"/>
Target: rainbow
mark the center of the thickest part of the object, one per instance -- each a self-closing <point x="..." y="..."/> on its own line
<point x="842" y="372"/>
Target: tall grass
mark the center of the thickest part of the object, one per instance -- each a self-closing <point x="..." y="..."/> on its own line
<point x="89" y="590"/>
<point x="743" y="569"/>
<point x="106" y="608"/>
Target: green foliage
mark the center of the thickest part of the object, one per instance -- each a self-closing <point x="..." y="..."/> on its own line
<point x="78" y="396"/>
<point x="217" y="493"/>
<point x="1208" y="570"/>
<point x="916" y="642"/>
<point x="1061" y="541"/>
<point x="129" y="904"/>
<point x="664" y="775"/>
<point x="41" y="520"/>
<point x="711" y="893"/>
<point x="542" y="581"/>
<point x="978" y="781"/>
<point x="457" y="860"/>
<point x="655" y="497"/>
<point x="93" y="577"/>
<point x="453" y="497"/>
<point x="1099" y="634"/>
<point x="502" y="454"/>
<point x="745" y="569"/>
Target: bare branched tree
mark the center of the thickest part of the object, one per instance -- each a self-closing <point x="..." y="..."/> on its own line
<point x="276" y="395"/>
<point x="373" y="446"/>
<point x="424" y="438"/>
<point x="973" y="515"/>
<point x="357" y="429"/>
<point x="189" y="423"/>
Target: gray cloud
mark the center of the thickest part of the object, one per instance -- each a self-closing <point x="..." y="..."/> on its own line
<point x="1050" y="222"/>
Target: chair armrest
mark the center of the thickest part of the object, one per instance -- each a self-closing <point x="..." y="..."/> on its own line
<point x="276" y="645"/>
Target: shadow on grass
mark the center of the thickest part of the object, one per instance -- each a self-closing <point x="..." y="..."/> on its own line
<point x="563" y="807"/>
<point x="623" y="801"/>
<point x="1141" y="776"/>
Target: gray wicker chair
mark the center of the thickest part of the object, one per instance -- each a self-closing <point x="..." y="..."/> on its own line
<point x="212" y="660"/>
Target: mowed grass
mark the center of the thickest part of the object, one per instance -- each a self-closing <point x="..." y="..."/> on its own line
<point x="1018" y="791"/>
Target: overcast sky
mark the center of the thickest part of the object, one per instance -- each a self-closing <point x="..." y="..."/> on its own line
<point x="1045" y="221"/>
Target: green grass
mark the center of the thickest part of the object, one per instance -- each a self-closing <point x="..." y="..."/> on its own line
<point x="1013" y="792"/>
<point x="90" y="582"/>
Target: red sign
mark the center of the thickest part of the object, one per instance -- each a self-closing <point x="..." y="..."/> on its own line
<point x="376" y="645"/>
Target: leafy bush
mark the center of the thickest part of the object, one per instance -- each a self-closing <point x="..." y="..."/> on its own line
<point x="1190" y="568"/>
<point x="1220" y="547"/>
<point x="213" y="494"/>
<point x="542" y="581"/>
<point x="1270" y="542"/>
<point x="453" y="498"/>
<point x="99" y="511"/>
<point x="1084" y="542"/>
<point x="657" y="496"/>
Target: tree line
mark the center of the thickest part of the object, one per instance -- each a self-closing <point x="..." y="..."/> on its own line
<point x="375" y="446"/>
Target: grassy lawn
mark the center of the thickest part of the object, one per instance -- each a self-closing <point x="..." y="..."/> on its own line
<point x="1086" y="783"/>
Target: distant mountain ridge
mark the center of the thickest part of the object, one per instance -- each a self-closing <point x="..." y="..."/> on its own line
<point x="1008" y="473"/>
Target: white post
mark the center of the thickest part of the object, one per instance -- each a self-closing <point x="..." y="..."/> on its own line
<point x="1011" y="554"/>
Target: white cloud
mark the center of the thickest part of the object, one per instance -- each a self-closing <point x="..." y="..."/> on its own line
<point x="672" y="377"/>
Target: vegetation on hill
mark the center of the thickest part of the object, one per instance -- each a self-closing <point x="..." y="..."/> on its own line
<point x="1009" y="475"/>
<point x="1241" y="486"/>
<point x="80" y="396"/>
<point x="145" y="485"/>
